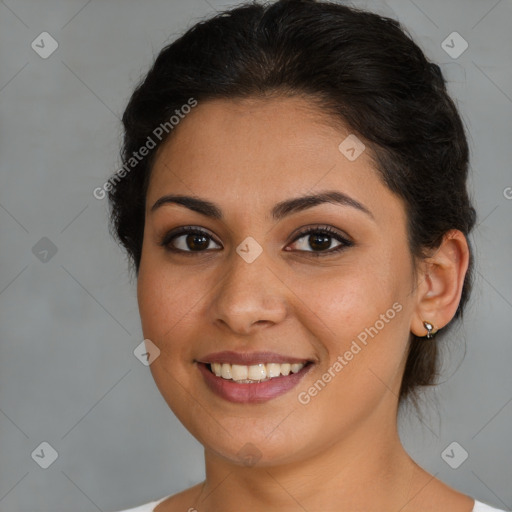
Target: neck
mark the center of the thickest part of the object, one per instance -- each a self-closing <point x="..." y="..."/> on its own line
<point x="368" y="470"/>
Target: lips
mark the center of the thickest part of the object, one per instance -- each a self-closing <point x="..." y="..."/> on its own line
<point x="251" y="377"/>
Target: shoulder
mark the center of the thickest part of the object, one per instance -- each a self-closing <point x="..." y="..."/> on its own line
<point x="172" y="502"/>
<point x="441" y="497"/>
<point x="147" y="507"/>
<point x="482" y="507"/>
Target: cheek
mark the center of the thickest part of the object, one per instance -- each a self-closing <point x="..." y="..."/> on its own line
<point x="349" y="297"/>
<point x="365" y="329"/>
<point x="366" y="345"/>
<point x="361" y="313"/>
<point x="166" y="309"/>
<point x="164" y="298"/>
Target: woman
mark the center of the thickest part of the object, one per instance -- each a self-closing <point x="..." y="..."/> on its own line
<point x="293" y="200"/>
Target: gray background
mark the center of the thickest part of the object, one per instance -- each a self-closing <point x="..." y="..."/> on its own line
<point x="69" y="325"/>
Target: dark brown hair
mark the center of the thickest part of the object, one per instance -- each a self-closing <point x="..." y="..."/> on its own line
<point x="362" y="69"/>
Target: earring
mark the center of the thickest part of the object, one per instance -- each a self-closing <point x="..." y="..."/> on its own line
<point x="430" y="330"/>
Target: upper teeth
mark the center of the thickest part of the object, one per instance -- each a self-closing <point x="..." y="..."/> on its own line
<point x="255" y="372"/>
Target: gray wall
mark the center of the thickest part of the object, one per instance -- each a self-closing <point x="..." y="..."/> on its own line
<point x="69" y="324"/>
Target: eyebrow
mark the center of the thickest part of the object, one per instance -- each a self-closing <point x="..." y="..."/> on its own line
<point x="279" y="211"/>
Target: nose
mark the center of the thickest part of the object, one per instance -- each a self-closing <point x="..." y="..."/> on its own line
<point x="249" y="295"/>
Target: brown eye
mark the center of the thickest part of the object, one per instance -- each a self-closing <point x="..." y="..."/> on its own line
<point x="188" y="239"/>
<point x="319" y="241"/>
<point x="196" y="242"/>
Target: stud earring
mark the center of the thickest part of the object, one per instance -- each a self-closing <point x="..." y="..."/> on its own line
<point x="430" y="330"/>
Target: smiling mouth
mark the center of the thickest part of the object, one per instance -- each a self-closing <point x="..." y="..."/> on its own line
<point x="253" y="374"/>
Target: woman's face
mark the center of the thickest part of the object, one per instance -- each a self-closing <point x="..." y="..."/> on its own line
<point x="251" y="289"/>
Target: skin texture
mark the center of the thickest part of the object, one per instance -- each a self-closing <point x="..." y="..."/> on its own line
<point x="245" y="156"/>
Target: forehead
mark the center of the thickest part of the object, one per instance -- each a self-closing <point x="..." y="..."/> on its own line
<point x="262" y="150"/>
<point x="264" y="137"/>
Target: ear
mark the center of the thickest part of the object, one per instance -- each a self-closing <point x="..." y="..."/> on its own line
<point x="440" y="282"/>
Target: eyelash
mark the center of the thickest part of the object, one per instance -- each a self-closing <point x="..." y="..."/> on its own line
<point x="326" y="230"/>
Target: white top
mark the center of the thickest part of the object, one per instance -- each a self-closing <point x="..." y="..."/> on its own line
<point x="480" y="507"/>
<point x="149" y="507"/>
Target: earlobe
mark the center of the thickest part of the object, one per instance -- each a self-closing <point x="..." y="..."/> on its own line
<point x="441" y="284"/>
